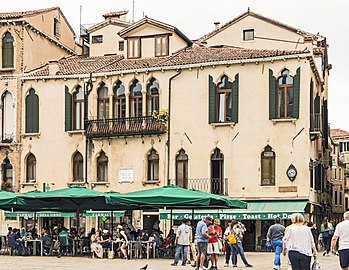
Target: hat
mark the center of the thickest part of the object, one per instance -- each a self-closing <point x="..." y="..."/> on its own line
<point x="55" y="227"/>
<point x="208" y="218"/>
<point x="119" y="227"/>
<point x="217" y="221"/>
<point x="105" y="231"/>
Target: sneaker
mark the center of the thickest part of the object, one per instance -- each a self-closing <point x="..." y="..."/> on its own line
<point x="226" y="264"/>
<point x="249" y="265"/>
<point x="184" y="264"/>
<point x="276" y="267"/>
<point x="173" y="264"/>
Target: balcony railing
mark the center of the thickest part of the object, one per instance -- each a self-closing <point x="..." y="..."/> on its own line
<point x="132" y="126"/>
<point x="315" y="123"/>
<point x="217" y="186"/>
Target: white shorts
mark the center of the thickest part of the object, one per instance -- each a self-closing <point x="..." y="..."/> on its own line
<point x="213" y="248"/>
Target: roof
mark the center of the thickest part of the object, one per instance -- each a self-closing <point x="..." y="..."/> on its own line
<point x="195" y="55"/>
<point x="115" y="14"/>
<point x="107" y="22"/>
<point x="156" y="23"/>
<point x="339" y="133"/>
<point x="256" y="15"/>
<point x="22" y="14"/>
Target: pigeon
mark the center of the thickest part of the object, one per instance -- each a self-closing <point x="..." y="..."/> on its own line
<point x="144" y="267"/>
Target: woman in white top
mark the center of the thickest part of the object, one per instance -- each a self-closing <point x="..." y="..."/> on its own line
<point x="299" y="242"/>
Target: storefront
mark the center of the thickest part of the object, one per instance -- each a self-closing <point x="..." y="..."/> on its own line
<point x="257" y="218"/>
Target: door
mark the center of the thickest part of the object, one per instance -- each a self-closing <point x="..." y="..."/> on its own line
<point x="217" y="177"/>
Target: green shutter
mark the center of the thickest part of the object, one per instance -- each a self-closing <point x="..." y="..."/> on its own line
<point x="311" y="98"/>
<point x="272" y="95"/>
<point x="235" y="99"/>
<point x="211" y="100"/>
<point x="68" y="110"/>
<point x="296" y="93"/>
<point x="32" y="112"/>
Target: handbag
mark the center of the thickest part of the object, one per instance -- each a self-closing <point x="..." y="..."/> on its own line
<point x="232" y="239"/>
<point x="220" y="245"/>
<point x="110" y="254"/>
<point x="316" y="264"/>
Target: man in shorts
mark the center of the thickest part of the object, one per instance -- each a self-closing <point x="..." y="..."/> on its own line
<point x="202" y="238"/>
<point x="342" y="233"/>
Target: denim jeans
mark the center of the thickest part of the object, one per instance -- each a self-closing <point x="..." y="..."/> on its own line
<point x="228" y="253"/>
<point x="238" y="249"/>
<point x="179" y="249"/>
<point x="277" y="245"/>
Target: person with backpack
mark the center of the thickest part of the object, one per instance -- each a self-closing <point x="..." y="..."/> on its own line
<point x="327" y="232"/>
<point x="235" y="240"/>
<point x="275" y="234"/>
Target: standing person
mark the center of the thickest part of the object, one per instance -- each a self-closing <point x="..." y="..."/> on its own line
<point x="327" y="232"/>
<point x="275" y="234"/>
<point x="299" y="243"/>
<point x="202" y="238"/>
<point x="342" y="233"/>
<point x="215" y="231"/>
<point x="228" y="251"/>
<point x="314" y="232"/>
<point x="192" y="242"/>
<point x="237" y="248"/>
<point x="182" y="242"/>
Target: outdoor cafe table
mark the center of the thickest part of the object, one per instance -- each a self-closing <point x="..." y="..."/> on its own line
<point x="132" y="248"/>
<point x="34" y="241"/>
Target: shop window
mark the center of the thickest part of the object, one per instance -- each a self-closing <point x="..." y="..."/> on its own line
<point x="268" y="167"/>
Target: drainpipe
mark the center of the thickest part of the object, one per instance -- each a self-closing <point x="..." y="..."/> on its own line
<point x="169" y="124"/>
<point x="87" y="90"/>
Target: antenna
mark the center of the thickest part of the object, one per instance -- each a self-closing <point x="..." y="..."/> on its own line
<point x="133" y="11"/>
<point x="80" y="19"/>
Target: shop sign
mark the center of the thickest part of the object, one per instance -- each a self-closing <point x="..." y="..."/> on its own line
<point x="31" y="215"/>
<point x="125" y="175"/>
<point x="104" y="213"/>
<point x="226" y="216"/>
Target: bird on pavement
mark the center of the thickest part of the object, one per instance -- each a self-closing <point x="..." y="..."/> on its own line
<point x="144" y="267"/>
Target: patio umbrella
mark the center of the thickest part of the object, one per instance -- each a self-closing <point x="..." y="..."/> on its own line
<point x="7" y="198"/>
<point x="175" y="197"/>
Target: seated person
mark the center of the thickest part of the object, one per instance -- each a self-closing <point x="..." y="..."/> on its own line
<point x="14" y="241"/>
<point x="122" y="240"/>
<point x="46" y="242"/>
<point x="96" y="247"/>
<point x="106" y="240"/>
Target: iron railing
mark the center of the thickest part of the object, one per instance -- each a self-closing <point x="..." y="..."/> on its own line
<point x="217" y="186"/>
<point x="315" y="122"/>
<point x="145" y="125"/>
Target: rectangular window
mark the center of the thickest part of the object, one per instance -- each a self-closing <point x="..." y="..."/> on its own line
<point x="340" y="198"/>
<point x="346" y="203"/>
<point x="336" y="197"/>
<point x="134" y="48"/>
<point x="161" y="46"/>
<point x="248" y="34"/>
<point x="121" y="45"/>
<point x="56" y="27"/>
<point x="97" y="39"/>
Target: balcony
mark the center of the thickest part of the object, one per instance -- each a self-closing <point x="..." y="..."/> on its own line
<point x="133" y="126"/>
<point x="315" y="123"/>
<point x="217" y="186"/>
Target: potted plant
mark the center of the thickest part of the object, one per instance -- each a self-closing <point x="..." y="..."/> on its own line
<point x="6" y="185"/>
<point x="161" y="118"/>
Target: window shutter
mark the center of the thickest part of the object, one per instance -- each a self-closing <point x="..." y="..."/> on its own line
<point x="296" y="93"/>
<point x="272" y="93"/>
<point x="311" y="105"/>
<point x="235" y="99"/>
<point x="35" y="113"/>
<point x="68" y="110"/>
<point x="28" y="114"/>
<point x="211" y="100"/>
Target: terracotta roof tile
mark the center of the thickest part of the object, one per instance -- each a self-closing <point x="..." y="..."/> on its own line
<point x="21" y="14"/>
<point x="339" y="133"/>
<point x="192" y="55"/>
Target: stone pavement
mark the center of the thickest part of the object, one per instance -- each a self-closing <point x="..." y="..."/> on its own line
<point x="258" y="260"/>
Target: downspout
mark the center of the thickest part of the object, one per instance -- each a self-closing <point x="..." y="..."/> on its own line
<point x="87" y="90"/>
<point x="169" y="124"/>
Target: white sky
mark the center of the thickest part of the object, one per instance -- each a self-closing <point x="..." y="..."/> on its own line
<point x="196" y="17"/>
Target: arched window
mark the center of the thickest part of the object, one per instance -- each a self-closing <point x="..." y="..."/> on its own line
<point x="284" y="95"/>
<point x="7" y="178"/>
<point x="224" y="100"/>
<point x="182" y="169"/>
<point x="7" y="51"/>
<point x="32" y="112"/>
<point x="153" y="166"/>
<point x="78" y="108"/>
<point x="268" y="167"/>
<point x="78" y="167"/>
<point x="136" y="99"/>
<point x="8" y="121"/>
<point x="102" y="168"/>
<point x="103" y="102"/>
<point x="217" y="170"/>
<point x="152" y="96"/>
<point x="119" y="100"/>
<point x="31" y="168"/>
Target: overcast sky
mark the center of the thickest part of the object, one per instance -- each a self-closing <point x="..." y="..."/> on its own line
<point x="196" y="17"/>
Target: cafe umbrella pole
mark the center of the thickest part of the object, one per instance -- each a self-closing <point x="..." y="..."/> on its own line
<point x="112" y="223"/>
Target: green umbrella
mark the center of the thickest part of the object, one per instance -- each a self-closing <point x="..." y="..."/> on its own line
<point x="174" y="197"/>
<point x="7" y="198"/>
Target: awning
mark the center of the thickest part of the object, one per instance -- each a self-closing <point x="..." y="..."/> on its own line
<point x="61" y="214"/>
<point x="254" y="211"/>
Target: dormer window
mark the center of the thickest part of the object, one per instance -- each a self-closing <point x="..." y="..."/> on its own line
<point x="161" y="46"/>
<point x="134" y="48"/>
<point x="56" y="27"/>
<point x="248" y="34"/>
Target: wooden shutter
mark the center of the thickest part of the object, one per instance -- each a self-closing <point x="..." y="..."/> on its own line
<point x="235" y="99"/>
<point x="68" y="109"/>
<point x="35" y="113"/>
<point x="28" y="114"/>
<point x="32" y="112"/>
<point x="272" y="95"/>
<point x="311" y="105"/>
<point x="211" y="100"/>
<point x="296" y="93"/>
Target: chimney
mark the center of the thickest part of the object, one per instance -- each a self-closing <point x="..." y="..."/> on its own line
<point x="53" y="68"/>
<point x="216" y="25"/>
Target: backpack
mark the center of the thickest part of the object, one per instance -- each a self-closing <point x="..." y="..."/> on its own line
<point x="232" y="239"/>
